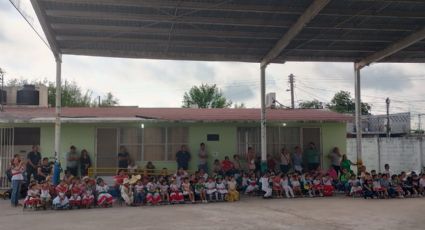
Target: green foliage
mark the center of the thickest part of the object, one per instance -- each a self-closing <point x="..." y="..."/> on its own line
<point x="205" y="96"/>
<point x="72" y="94"/>
<point x="314" y="104"/>
<point x="239" y="106"/>
<point x="342" y="102"/>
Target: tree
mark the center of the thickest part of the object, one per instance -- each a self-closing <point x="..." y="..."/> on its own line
<point x="109" y="100"/>
<point x="342" y="102"/>
<point x="205" y="96"/>
<point x="314" y="104"/>
<point x="239" y="106"/>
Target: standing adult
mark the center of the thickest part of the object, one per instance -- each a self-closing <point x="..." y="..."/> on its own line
<point x="33" y="161"/>
<point x="85" y="163"/>
<point x="44" y="170"/>
<point x="335" y="157"/>
<point x="297" y="160"/>
<point x="346" y="163"/>
<point x="203" y="158"/>
<point x="183" y="158"/>
<point x="72" y="160"/>
<point x="17" y="170"/>
<point x="313" y="157"/>
<point x="123" y="158"/>
<point x="285" y="160"/>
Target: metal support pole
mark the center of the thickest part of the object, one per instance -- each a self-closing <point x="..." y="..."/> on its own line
<point x="56" y="174"/>
<point x="358" y="115"/>
<point x="263" y="120"/>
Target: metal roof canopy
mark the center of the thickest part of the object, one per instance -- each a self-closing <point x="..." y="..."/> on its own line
<point x="261" y="31"/>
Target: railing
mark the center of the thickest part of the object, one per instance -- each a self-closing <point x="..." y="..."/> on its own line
<point x="95" y="172"/>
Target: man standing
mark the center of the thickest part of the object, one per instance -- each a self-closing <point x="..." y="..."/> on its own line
<point x="203" y="157"/>
<point x="123" y="158"/>
<point x="34" y="158"/>
<point x="183" y="158"/>
<point x="313" y="157"/>
<point x="72" y="159"/>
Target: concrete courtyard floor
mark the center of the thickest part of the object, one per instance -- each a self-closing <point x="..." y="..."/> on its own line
<point x="251" y="213"/>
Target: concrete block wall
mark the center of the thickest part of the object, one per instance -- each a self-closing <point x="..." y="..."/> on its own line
<point x="401" y="153"/>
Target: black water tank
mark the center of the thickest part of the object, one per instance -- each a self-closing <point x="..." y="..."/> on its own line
<point x="27" y="96"/>
<point x="3" y="97"/>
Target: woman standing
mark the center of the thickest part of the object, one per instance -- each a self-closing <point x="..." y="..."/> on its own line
<point x="18" y="168"/>
<point x="85" y="163"/>
<point x="285" y="160"/>
<point x="346" y="163"/>
<point x="335" y="157"/>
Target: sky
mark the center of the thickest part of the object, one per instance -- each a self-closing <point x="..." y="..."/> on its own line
<point x="160" y="83"/>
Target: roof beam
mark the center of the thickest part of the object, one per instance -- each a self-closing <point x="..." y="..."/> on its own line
<point x="242" y="8"/>
<point x="46" y="28"/>
<point x="392" y="49"/>
<point x="305" y="18"/>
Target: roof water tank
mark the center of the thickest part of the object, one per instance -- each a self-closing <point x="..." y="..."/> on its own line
<point x="3" y="97"/>
<point x="28" y="95"/>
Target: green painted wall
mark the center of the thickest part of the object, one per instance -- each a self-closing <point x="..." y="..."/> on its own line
<point x="333" y="135"/>
<point x="84" y="136"/>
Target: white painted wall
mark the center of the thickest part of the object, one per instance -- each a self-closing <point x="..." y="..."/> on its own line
<point x="401" y="153"/>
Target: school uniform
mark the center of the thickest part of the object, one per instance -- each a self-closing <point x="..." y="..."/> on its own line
<point x="265" y="186"/>
<point x="104" y="198"/>
<point x="289" y="192"/>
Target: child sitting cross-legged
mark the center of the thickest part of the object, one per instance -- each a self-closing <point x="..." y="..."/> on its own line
<point x="200" y="189"/>
<point x="187" y="190"/>
<point x="211" y="189"/>
<point x="296" y="185"/>
<point x="163" y="189"/>
<point x="175" y="196"/>
<point x="277" y="187"/>
<point x="61" y="200"/>
<point x="153" y="197"/>
<point x="104" y="199"/>
<point x="289" y="192"/>
<point x="233" y="194"/>
<point x="32" y="199"/>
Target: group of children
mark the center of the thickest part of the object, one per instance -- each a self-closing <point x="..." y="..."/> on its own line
<point x="136" y="190"/>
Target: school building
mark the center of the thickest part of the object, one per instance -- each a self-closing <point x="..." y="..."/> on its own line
<point x="156" y="134"/>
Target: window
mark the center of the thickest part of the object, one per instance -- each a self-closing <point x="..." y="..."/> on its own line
<point x="153" y="143"/>
<point x="213" y="137"/>
<point x="277" y="138"/>
<point x="27" y="136"/>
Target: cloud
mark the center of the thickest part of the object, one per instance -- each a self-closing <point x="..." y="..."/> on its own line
<point x="239" y="93"/>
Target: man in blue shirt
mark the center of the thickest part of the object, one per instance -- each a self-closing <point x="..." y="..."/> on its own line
<point x="183" y="158"/>
<point x="34" y="159"/>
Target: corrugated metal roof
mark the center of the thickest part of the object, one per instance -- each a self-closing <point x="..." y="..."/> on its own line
<point x="232" y="30"/>
<point x="23" y="114"/>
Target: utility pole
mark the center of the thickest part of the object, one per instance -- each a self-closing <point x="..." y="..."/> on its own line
<point x="387" y="101"/>
<point x="291" y="84"/>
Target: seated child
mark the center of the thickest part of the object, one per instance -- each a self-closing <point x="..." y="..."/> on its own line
<point x="415" y="185"/>
<point x="45" y="196"/>
<point x="252" y="185"/>
<point x="187" y="190"/>
<point x="163" y="189"/>
<point x="296" y="185"/>
<point x="308" y="185"/>
<point x="277" y="187"/>
<point x="32" y="200"/>
<point x="317" y="186"/>
<point x="396" y="186"/>
<point x="422" y="184"/>
<point x="61" y="200"/>
<point x="354" y="184"/>
<point x="265" y="185"/>
<point x="377" y="187"/>
<point x="328" y="187"/>
<point x="87" y="199"/>
<point x="200" y="190"/>
<point x="368" y="189"/>
<point x="104" y="199"/>
<point x="244" y="182"/>
<point x="221" y="189"/>
<point x="211" y="189"/>
<point x="152" y="197"/>
<point x="233" y="194"/>
<point x="139" y="189"/>
<point x="127" y="192"/>
<point x="75" y="198"/>
<point x="175" y="196"/>
<point x="284" y="182"/>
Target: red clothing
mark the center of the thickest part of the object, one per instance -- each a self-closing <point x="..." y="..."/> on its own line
<point x="120" y="179"/>
<point x="61" y="189"/>
<point x="271" y="164"/>
<point x="227" y="165"/>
